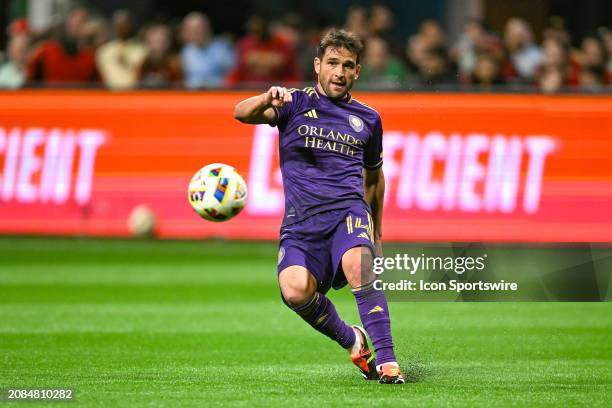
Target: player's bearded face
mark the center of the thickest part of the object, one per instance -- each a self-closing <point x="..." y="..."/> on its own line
<point x="337" y="71"/>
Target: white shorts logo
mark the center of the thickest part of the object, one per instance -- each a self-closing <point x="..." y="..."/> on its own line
<point x="356" y="123"/>
<point x="281" y="255"/>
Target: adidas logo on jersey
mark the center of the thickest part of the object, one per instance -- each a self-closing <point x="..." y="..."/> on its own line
<point x="311" y="114"/>
<point x="364" y="235"/>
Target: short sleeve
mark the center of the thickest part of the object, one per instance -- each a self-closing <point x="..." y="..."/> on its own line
<point x="285" y="112"/>
<point x="373" y="153"/>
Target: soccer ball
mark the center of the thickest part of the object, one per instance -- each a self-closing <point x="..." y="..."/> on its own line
<point x="217" y="192"/>
<point x="142" y="221"/>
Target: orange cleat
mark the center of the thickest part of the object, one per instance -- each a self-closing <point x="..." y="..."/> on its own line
<point x="363" y="357"/>
<point x="389" y="373"/>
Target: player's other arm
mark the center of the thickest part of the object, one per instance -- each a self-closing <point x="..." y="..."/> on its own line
<point x="260" y="109"/>
<point x="374" y="191"/>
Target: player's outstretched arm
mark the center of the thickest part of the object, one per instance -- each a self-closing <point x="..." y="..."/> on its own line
<point x="258" y="109"/>
<point x="374" y="192"/>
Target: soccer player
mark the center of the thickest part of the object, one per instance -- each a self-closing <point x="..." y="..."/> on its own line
<point x="331" y="160"/>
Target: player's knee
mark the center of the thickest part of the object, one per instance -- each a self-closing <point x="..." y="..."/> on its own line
<point x="297" y="294"/>
<point x="357" y="266"/>
<point x="297" y="286"/>
<point x="352" y="271"/>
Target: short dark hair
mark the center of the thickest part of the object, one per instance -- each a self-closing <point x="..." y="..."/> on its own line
<point x="340" y="39"/>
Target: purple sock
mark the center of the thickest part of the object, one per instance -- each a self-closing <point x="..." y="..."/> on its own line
<point x="321" y="314"/>
<point x="374" y="314"/>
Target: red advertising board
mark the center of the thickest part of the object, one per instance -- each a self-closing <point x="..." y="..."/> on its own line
<point x="458" y="167"/>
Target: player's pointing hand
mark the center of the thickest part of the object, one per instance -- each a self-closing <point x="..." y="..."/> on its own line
<point x="278" y="96"/>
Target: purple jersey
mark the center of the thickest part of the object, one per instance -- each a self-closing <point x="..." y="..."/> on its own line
<point x="323" y="146"/>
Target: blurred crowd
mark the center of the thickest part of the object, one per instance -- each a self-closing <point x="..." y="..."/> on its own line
<point x="89" y="50"/>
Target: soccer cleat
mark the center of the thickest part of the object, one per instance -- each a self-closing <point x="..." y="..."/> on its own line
<point x="363" y="358"/>
<point x="389" y="373"/>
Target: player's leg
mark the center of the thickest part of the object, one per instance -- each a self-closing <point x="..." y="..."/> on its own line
<point x="352" y="254"/>
<point x="371" y="303"/>
<point x="299" y="291"/>
<point x="373" y="310"/>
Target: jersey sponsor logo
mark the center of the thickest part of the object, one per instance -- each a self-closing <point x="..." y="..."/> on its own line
<point x="311" y="114"/>
<point x="356" y="123"/>
<point x="328" y="133"/>
<point x="320" y="138"/>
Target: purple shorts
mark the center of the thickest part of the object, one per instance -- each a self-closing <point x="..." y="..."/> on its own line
<point x="319" y="241"/>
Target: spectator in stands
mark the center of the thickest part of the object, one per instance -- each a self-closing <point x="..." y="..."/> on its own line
<point x="593" y="54"/>
<point x="434" y="68"/>
<point x="119" y="60"/>
<point x="487" y="72"/>
<point x="591" y="79"/>
<point x="303" y="40"/>
<point x="161" y="67"/>
<point x="557" y="29"/>
<point x="206" y="59"/>
<point x="550" y="80"/>
<point x="13" y="71"/>
<point x="595" y="63"/>
<point x="382" y="24"/>
<point x="556" y="57"/>
<point x="65" y="58"/>
<point x="606" y="36"/>
<point x="264" y="58"/>
<point x="556" y="69"/>
<point x="523" y="55"/>
<point x="427" y="56"/>
<point x="357" y="21"/>
<point x="95" y="33"/>
<point x="432" y="34"/>
<point x="465" y="50"/>
<point x="380" y="68"/>
<point x="415" y="53"/>
<point x="474" y="41"/>
<point x="18" y="26"/>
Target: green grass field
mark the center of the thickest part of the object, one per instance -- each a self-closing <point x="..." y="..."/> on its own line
<point x="180" y="324"/>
